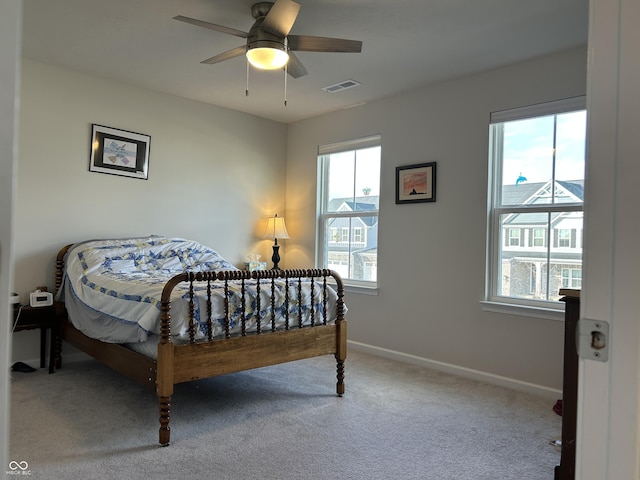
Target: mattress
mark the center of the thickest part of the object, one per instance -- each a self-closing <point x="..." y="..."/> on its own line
<point x="112" y="291"/>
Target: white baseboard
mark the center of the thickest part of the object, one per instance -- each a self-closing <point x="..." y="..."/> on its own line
<point x="513" y="384"/>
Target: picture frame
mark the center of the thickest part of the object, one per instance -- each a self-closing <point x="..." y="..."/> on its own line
<point x="416" y="183"/>
<point x="119" y="152"/>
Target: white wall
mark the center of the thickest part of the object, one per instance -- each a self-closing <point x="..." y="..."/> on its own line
<point x="432" y="255"/>
<point x="214" y="174"/>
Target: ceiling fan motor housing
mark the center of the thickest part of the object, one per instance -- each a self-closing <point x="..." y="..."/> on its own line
<point x="259" y="38"/>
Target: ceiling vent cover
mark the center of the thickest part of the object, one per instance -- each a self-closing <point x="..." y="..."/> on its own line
<point x="341" y="86"/>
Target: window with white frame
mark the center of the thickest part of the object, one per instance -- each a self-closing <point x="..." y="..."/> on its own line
<point x="348" y="201"/>
<point x="537" y="237"/>
<point x="536" y="195"/>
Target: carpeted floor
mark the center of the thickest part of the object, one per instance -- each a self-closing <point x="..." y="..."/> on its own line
<point x="396" y="421"/>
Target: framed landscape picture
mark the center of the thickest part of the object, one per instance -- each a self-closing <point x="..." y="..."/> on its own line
<point x="416" y="183"/>
<point x="119" y="152"/>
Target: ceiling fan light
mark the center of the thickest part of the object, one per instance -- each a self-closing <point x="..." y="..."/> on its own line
<point x="267" y="58"/>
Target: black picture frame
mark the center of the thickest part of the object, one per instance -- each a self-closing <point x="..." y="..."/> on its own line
<point x="119" y="152"/>
<point x="416" y="183"/>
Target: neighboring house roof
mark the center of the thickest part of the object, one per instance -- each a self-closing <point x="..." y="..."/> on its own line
<point x="526" y="193"/>
<point x="357" y="204"/>
<point x="576" y="187"/>
<point x="530" y="193"/>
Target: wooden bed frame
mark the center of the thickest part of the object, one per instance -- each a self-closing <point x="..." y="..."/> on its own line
<point x="202" y="359"/>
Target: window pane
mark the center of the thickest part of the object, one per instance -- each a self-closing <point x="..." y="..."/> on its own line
<point x="539" y="150"/>
<point x="341" y="174"/>
<point x="354" y="178"/>
<point x="527" y="157"/>
<point x="570" y="146"/>
<point x="523" y="263"/>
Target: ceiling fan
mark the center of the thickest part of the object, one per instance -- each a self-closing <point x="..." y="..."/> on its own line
<point x="269" y="45"/>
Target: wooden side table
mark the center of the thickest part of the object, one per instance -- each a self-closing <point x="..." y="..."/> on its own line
<point x="30" y="318"/>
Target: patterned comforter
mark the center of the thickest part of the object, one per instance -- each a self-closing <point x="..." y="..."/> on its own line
<point x="112" y="290"/>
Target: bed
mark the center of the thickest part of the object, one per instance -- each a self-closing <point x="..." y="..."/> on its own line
<point x="163" y="311"/>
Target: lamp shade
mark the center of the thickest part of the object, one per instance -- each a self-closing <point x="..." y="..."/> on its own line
<point x="275" y="228"/>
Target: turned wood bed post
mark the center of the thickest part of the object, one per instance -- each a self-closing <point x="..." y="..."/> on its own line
<point x="164" y="377"/>
<point x="341" y="333"/>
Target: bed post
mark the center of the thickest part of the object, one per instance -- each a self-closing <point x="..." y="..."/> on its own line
<point x="165" y="390"/>
<point x="341" y="334"/>
<point x="164" y="376"/>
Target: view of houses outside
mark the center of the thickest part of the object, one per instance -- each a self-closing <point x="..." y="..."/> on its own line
<point x="540" y="245"/>
<point x="352" y="242"/>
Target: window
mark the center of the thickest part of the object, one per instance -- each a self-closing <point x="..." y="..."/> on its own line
<point x="357" y="235"/>
<point x="537" y="237"/>
<point x="348" y="199"/>
<point x="572" y="277"/>
<point x="536" y="193"/>
<point x="514" y="237"/>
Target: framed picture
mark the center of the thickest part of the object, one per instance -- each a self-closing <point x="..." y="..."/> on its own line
<point x="416" y="183"/>
<point x="119" y="152"/>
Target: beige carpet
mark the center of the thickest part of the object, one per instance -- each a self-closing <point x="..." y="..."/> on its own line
<point x="396" y="421"/>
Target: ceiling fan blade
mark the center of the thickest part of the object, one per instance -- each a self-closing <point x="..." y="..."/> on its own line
<point x="306" y="43"/>
<point x="235" y="52"/>
<point x="212" y="26"/>
<point x="295" y="68"/>
<point x="281" y="17"/>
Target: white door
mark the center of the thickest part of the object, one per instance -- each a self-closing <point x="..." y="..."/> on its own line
<point x="608" y="443"/>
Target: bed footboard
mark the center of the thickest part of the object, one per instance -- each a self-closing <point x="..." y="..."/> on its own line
<point x="269" y="344"/>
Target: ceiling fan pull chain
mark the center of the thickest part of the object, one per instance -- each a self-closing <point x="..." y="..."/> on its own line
<point x="246" y="92"/>
<point x="285" y="85"/>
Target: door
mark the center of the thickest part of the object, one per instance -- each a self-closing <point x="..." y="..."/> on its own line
<point x="608" y="442"/>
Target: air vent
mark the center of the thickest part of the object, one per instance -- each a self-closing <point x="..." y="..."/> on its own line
<point x="341" y="86"/>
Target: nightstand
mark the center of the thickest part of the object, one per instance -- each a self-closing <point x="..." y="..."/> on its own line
<point x="30" y="318"/>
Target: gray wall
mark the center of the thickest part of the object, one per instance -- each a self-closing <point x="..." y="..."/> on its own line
<point x="431" y="256"/>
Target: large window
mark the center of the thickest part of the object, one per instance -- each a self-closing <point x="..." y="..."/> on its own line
<point x="349" y="192"/>
<point x="536" y="193"/>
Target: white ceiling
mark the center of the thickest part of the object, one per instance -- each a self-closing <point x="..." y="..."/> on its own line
<point x="406" y="44"/>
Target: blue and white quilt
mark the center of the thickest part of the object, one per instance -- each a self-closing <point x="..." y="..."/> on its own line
<point x="112" y="291"/>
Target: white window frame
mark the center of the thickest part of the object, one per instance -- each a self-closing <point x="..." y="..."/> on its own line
<point x="361" y="286"/>
<point x="513" y="305"/>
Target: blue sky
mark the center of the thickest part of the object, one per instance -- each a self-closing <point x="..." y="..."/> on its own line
<point x="529" y="148"/>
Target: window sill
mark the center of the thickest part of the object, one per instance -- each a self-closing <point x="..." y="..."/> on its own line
<point x="523" y="310"/>
<point x="355" y="287"/>
<point x="360" y="289"/>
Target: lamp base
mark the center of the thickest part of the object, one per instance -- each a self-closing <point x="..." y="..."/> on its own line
<point x="275" y="258"/>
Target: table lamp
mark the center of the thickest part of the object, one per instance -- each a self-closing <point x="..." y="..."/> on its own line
<point x="275" y="229"/>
